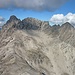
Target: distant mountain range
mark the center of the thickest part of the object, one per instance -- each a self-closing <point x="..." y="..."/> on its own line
<point x="33" y="47"/>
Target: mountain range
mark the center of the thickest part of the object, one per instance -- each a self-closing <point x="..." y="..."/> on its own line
<point x="33" y="47"/>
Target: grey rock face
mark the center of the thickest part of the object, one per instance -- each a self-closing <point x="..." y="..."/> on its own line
<point x="33" y="47"/>
<point x="28" y="23"/>
<point x="32" y="24"/>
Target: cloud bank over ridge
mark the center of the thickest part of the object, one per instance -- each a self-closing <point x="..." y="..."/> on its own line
<point x="38" y="5"/>
<point x="60" y="19"/>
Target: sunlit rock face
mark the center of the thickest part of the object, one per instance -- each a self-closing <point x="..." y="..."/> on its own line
<point x="33" y="47"/>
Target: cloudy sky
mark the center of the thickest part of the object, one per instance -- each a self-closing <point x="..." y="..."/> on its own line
<point x="54" y="11"/>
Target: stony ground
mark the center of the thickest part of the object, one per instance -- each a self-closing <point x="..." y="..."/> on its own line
<point x="32" y="47"/>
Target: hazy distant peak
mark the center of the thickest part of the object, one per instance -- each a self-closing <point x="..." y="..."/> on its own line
<point x="56" y="26"/>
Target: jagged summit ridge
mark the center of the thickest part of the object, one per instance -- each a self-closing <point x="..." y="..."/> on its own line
<point x="32" y="23"/>
<point x="35" y="24"/>
<point x="27" y="23"/>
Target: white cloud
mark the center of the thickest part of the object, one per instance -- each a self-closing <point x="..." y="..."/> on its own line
<point x="60" y="19"/>
<point x="39" y="5"/>
<point x="1" y="23"/>
<point x="2" y="20"/>
<point x="57" y="19"/>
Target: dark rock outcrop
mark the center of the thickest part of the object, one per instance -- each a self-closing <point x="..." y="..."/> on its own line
<point x="13" y="18"/>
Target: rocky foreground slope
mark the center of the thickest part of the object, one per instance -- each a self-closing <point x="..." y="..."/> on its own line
<point x="33" y="47"/>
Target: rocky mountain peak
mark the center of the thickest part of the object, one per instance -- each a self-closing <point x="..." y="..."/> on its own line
<point x="32" y="23"/>
<point x="35" y="22"/>
<point x="13" y="18"/>
<point x="67" y="25"/>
